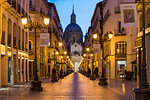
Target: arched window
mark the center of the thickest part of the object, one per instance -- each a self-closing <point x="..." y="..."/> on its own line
<point x="14" y="35"/>
<point x="26" y="37"/>
<point x="3" y="29"/>
<point x="19" y="37"/>
<point x="9" y="32"/>
<point x="148" y="18"/>
<point x="141" y="22"/>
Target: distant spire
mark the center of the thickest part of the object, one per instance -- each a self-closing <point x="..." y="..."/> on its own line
<point x="73" y="9"/>
<point x="73" y="16"/>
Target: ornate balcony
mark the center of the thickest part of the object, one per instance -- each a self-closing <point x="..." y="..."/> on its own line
<point x="118" y="32"/>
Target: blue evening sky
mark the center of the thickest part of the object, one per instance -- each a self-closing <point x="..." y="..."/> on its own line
<point x="84" y="10"/>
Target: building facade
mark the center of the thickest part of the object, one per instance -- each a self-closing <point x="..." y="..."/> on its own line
<point x="14" y="66"/>
<point x="138" y="41"/>
<point x="57" y="57"/>
<point x="119" y="51"/>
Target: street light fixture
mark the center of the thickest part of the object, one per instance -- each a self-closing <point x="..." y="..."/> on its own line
<point x="110" y="35"/>
<point x="46" y="20"/>
<point x="35" y="84"/>
<point x="65" y="52"/>
<point x="57" y="53"/>
<point x="95" y="36"/>
<point x="87" y="49"/>
<point x="60" y="44"/>
<point x="84" y="55"/>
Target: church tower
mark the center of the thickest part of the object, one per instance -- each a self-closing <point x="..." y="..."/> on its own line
<point x="74" y="38"/>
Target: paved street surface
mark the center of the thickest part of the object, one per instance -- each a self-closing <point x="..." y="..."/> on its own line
<point x="73" y="87"/>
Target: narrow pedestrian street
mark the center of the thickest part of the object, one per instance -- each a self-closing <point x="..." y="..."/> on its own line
<point x="73" y="87"/>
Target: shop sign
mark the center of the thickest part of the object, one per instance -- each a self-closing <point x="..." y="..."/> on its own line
<point x="138" y="42"/>
<point x="96" y="48"/>
<point x="44" y="39"/>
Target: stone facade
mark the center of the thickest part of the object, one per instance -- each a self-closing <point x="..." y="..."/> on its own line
<point x="14" y="65"/>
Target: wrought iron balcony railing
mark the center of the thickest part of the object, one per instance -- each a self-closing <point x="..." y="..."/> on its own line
<point x="118" y="32"/>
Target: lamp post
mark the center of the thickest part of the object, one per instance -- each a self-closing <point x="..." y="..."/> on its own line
<point x="102" y="39"/>
<point x="143" y="92"/>
<point x="62" y="57"/>
<point x="93" y="77"/>
<point x="88" y="70"/>
<point x="35" y="84"/>
<point x="84" y="55"/>
<point x="54" y="76"/>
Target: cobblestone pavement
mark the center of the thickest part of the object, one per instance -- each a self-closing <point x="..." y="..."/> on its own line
<point x="72" y="87"/>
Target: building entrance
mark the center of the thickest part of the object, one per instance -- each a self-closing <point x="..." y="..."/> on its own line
<point x="9" y="70"/>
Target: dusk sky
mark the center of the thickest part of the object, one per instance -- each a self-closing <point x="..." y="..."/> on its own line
<point x="84" y="10"/>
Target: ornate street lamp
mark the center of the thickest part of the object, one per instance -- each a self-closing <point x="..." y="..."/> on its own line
<point x="35" y="84"/>
<point x="102" y="39"/>
<point x="93" y="76"/>
<point x="62" y="57"/>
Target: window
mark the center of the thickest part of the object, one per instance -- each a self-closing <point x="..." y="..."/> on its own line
<point x="22" y="39"/>
<point x="30" y="4"/>
<point x="119" y="26"/>
<point x="30" y="45"/>
<point x="121" y="49"/>
<point x="9" y="32"/>
<point x="19" y="37"/>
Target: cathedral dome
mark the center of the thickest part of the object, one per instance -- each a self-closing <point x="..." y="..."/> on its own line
<point x="73" y="27"/>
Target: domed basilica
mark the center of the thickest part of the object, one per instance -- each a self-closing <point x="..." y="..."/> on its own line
<point x="74" y="37"/>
